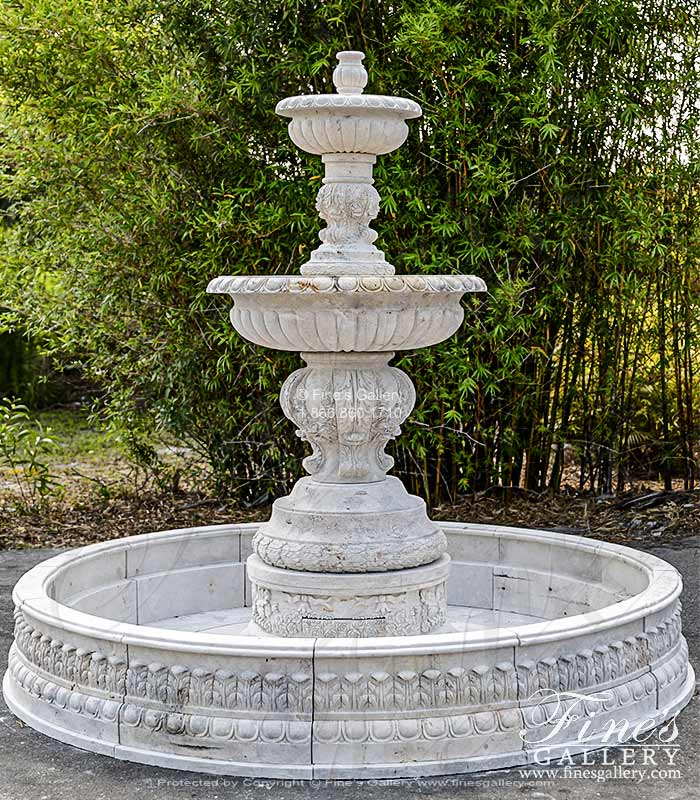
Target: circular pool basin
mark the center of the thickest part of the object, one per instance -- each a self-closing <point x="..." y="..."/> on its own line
<point x="142" y="649"/>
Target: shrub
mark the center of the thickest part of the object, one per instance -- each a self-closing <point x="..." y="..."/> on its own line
<point x="24" y="446"/>
<point x="557" y="158"/>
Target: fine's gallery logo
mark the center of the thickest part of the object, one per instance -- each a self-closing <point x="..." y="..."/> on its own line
<point x="589" y="725"/>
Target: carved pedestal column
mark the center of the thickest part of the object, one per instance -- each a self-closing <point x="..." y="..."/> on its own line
<point x="348" y="406"/>
<point x="348" y="516"/>
<point x="349" y="552"/>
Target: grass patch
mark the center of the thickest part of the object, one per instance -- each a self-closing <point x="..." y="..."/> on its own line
<point x="80" y="439"/>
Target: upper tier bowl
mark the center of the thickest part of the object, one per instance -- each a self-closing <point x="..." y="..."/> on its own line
<point x="336" y="123"/>
<point x="350" y="313"/>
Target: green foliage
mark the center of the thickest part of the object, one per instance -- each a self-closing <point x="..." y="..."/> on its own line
<point x="15" y="360"/>
<point x="23" y="370"/>
<point x="24" y="447"/>
<point x="557" y="157"/>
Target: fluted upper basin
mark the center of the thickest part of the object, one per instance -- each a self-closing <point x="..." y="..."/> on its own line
<point x="348" y="313"/>
<point x="335" y="123"/>
<point x="349" y="121"/>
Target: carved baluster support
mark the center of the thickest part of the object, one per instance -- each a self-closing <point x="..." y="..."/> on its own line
<point x="348" y="406"/>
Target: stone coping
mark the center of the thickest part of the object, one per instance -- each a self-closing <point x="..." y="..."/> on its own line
<point x="33" y="595"/>
<point x="395" y="706"/>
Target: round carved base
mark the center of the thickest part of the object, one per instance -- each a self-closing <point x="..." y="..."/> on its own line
<point x="400" y="603"/>
<point x="343" y="527"/>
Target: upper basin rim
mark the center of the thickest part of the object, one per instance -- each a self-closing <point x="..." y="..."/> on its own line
<point x="384" y="104"/>
<point x="314" y="284"/>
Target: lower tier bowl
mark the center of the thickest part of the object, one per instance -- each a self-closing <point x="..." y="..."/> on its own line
<point x="142" y="649"/>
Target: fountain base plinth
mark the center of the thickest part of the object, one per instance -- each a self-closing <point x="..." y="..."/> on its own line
<point x="400" y="603"/>
<point x="349" y="527"/>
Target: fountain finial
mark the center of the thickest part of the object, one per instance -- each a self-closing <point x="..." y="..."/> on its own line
<point x="349" y="77"/>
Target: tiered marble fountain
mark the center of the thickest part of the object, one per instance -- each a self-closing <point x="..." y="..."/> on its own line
<point x="349" y="636"/>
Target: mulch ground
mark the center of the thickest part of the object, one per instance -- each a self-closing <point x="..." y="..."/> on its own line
<point x="69" y="525"/>
<point x="643" y="516"/>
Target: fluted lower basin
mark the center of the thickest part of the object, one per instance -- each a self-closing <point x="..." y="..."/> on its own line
<point x="369" y="313"/>
<point x="139" y="649"/>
